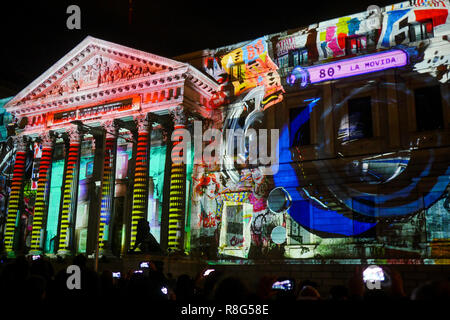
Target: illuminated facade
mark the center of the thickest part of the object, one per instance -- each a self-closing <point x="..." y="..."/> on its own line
<point x="361" y="104"/>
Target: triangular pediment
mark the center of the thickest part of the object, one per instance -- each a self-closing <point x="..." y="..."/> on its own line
<point x="91" y="64"/>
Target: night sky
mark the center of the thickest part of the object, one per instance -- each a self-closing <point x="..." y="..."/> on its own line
<point x="34" y="35"/>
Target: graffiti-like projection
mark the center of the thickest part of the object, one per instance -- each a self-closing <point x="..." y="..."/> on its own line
<point x="361" y="33"/>
<point x="248" y="67"/>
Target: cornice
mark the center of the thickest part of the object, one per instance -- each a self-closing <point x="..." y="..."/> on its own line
<point x="152" y="82"/>
<point x="202" y="82"/>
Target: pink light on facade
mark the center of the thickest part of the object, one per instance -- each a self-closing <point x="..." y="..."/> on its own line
<point x="357" y="66"/>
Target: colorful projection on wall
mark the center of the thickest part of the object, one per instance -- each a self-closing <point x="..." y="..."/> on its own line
<point x="124" y="154"/>
<point x="117" y="230"/>
<point x="332" y="40"/>
<point x="373" y="198"/>
<point x="5" y="118"/>
<point x="358" y="186"/>
<point x="248" y="67"/>
<point x="84" y="197"/>
<point x="156" y="186"/>
<point x="230" y="219"/>
<point x="401" y="24"/>
<point x="371" y="205"/>
<point x="56" y="182"/>
<point x="396" y="22"/>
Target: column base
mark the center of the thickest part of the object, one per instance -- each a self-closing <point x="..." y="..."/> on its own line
<point x="63" y="253"/>
<point x="107" y="253"/>
<point x="35" y="253"/>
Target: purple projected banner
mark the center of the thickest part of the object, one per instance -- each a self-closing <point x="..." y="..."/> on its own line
<point x="348" y="68"/>
<point x="357" y="66"/>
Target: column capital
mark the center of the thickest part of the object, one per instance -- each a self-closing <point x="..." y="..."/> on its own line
<point x="178" y="115"/>
<point x="20" y="141"/>
<point x="142" y="122"/>
<point x="47" y="139"/>
<point x="74" y="134"/>
<point x="110" y="127"/>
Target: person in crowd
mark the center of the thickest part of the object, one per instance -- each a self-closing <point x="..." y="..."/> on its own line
<point x="339" y="293"/>
<point x="145" y="241"/>
<point x="184" y="288"/>
<point x="230" y="289"/>
<point x="308" y="292"/>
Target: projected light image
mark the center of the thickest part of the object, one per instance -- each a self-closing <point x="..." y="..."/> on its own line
<point x="56" y="183"/>
<point x="367" y="192"/>
<point x="84" y="197"/>
<point x="156" y="187"/>
<point x="356" y="114"/>
<point x="349" y="67"/>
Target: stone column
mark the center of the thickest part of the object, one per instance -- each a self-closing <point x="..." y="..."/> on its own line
<point x="20" y="143"/>
<point x="140" y="187"/>
<point x="42" y="195"/>
<point x="177" y="194"/>
<point x="108" y="183"/>
<point x="69" y="191"/>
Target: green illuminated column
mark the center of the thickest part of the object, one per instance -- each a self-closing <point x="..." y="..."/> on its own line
<point x="20" y="143"/>
<point x="42" y="194"/>
<point x="177" y="193"/>
<point x="70" y="192"/>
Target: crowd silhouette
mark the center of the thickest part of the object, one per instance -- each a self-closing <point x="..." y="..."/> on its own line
<point x="39" y="283"/>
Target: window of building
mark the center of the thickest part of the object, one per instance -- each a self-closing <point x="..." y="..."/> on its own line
<point x="359" y="122"/>
<point x="355" y="45"/>
<point x="428" y="103"/>
<point x="237" y="72"/>
<point x="299" y="127"/>
<point x="283" y="61"/>
<point x="298" y="57"/>
<point x="421" y="31"/>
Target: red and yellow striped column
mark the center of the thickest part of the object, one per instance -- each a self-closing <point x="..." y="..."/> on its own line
<point x="140" y="189"/>
<point x="107" y="185"/>
<point x="70" y="191"/>
<point x="177" y="193"/>
<point x="42" y="194"/>
<point x="20" y="144"/>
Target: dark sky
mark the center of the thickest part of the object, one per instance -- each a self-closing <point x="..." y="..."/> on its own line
<point x="34" y="35"/>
